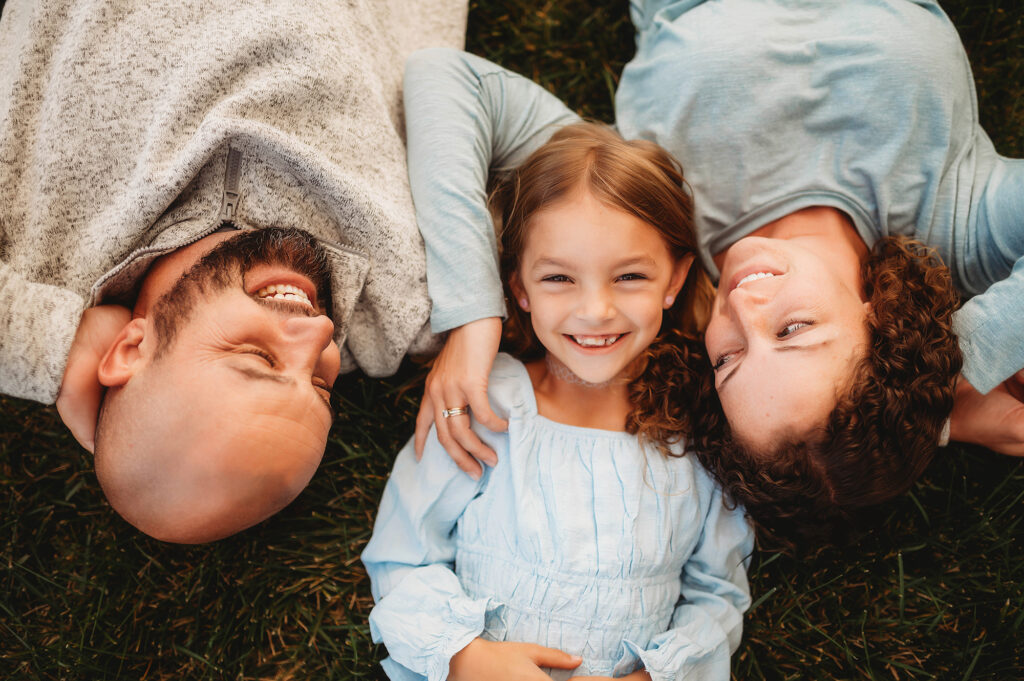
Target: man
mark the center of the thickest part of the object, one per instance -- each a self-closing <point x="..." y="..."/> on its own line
<point x="144" y="151"/>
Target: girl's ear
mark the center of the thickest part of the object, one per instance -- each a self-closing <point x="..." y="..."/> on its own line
<point x="123" y="358"/>
<point x="519" y="292"/>
<point x="675" y="284"/>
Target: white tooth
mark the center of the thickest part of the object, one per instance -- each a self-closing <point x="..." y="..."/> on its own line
<point x="753" y="277"/>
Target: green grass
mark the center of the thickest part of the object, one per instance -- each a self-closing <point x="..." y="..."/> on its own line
<point x="937" y="594"/>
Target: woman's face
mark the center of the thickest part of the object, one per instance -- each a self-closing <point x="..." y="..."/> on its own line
<point x="786" y="330"/>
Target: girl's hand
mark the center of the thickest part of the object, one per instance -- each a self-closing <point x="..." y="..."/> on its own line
<point x="459" y="378"/>
<point x="78" y="401"/>
<point x="507" y="661"/>
<point x="639" y="675"/>
<point x="995" y="420"/>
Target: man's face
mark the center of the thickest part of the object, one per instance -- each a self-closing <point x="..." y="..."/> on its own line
<point x="238" y="387"/>
<point x="786" y="330"/>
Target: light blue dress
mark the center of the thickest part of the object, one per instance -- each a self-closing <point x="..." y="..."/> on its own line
<point x="771" y="106"/>
<point x="578" y="539"/>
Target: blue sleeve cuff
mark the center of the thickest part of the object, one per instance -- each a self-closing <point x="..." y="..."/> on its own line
<point x="426" y="620"/>
<point x="993" y="347"/>
<point x="488" y="304"/>
<point x="696" y="651"/>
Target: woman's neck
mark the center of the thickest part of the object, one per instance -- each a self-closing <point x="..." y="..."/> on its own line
<point x="831" y="228"/>
<point x="563" y="397"/>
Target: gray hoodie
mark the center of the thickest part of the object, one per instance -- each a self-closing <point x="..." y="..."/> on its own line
<point x="116" y="119"/>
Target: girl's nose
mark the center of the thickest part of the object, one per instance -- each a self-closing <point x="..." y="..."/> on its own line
<point x="596" y="306"/>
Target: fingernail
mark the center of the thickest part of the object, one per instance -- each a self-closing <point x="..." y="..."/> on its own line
<point x="475" y="474"/>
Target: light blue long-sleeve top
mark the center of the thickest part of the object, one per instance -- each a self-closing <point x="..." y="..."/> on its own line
<point x="578" y="539"/>
<point x="867" y="106"/>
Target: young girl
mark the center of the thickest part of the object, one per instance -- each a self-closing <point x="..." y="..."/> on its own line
<point x="596" y="545"/>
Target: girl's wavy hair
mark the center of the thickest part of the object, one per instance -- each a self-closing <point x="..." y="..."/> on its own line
<point x="883" y="431"/>
<point x="641" y="179"/>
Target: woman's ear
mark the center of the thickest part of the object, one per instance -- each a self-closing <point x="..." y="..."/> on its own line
<point x="519" y="292"/>
<point x="123" y="358"/>
<point x="675" y="284"/>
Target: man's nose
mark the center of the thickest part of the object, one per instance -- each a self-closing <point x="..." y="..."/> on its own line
<point x="309" y="339"/>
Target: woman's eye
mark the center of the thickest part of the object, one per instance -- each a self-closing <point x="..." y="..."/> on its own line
<point x="722" y="361"/>
<point x="791" y="328"/>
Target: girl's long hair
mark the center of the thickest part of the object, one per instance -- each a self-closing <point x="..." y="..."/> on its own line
<point x="641" y="179"/>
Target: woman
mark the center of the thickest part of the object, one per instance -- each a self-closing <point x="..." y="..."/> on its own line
<point x="819" y="130"/>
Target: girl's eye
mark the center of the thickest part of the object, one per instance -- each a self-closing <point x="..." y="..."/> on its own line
<point x="722" y="361"/>
<point x="556" y="278"/>
<point x="260" y="353"/>
<point x="792" y="327"/>
<point x="633" y="276"/>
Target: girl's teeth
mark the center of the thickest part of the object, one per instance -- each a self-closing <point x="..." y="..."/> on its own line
<point x="595" y="341"/>
<point x="754" y="276"/>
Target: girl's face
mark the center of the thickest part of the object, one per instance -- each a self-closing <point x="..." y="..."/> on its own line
<point x="595" y="281"/>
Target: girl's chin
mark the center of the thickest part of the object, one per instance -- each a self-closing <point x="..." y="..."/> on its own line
<point x="582" y="375"/>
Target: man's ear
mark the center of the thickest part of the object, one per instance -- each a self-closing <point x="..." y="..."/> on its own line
<point x="675" y="284"/>
<point x="519" y="292"/>
<point x="123" y="358"/>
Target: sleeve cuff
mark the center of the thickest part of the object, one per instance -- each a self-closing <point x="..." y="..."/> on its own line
<point x="675" y="655"/>
<point x="452" y="317"/>
<point x="992" y="347"/>
<point x="426" y="620"/>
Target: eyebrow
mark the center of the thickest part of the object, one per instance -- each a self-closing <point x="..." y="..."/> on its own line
<point x="257" y="375"/>
<point x="636" y="260"/>
<point x="782" y="348"/>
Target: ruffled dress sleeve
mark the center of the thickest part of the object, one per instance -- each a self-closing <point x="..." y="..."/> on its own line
<point x="466" y="117"/>
<point x="423" y="615"/>
<point x="707" y="623"/>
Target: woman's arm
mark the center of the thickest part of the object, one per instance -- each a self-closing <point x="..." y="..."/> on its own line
<point x="465" y="119"/>
<point x="988" y="409"/>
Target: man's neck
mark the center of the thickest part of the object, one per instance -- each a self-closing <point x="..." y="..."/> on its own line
<point x="169" y="267"/>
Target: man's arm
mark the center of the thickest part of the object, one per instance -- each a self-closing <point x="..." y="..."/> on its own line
<point x="78" y="402"/>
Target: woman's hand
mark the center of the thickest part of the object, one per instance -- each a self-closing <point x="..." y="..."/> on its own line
<point x="995" y="420"/>
<point x="458" y="379"/>
<point x="507" y="661"/>
<point x="78" y="401"/>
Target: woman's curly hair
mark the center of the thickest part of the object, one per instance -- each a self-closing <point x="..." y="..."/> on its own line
<point x="882" y="433"/>
<point x="641" y="179"/>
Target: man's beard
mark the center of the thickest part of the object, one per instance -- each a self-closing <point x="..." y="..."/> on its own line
<point x="226" y="265"/>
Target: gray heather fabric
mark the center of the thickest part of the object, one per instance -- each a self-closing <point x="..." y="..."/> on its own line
<point x="115" y="123"/>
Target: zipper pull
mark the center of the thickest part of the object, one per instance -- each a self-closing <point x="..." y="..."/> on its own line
<point x="229" y="206"/>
